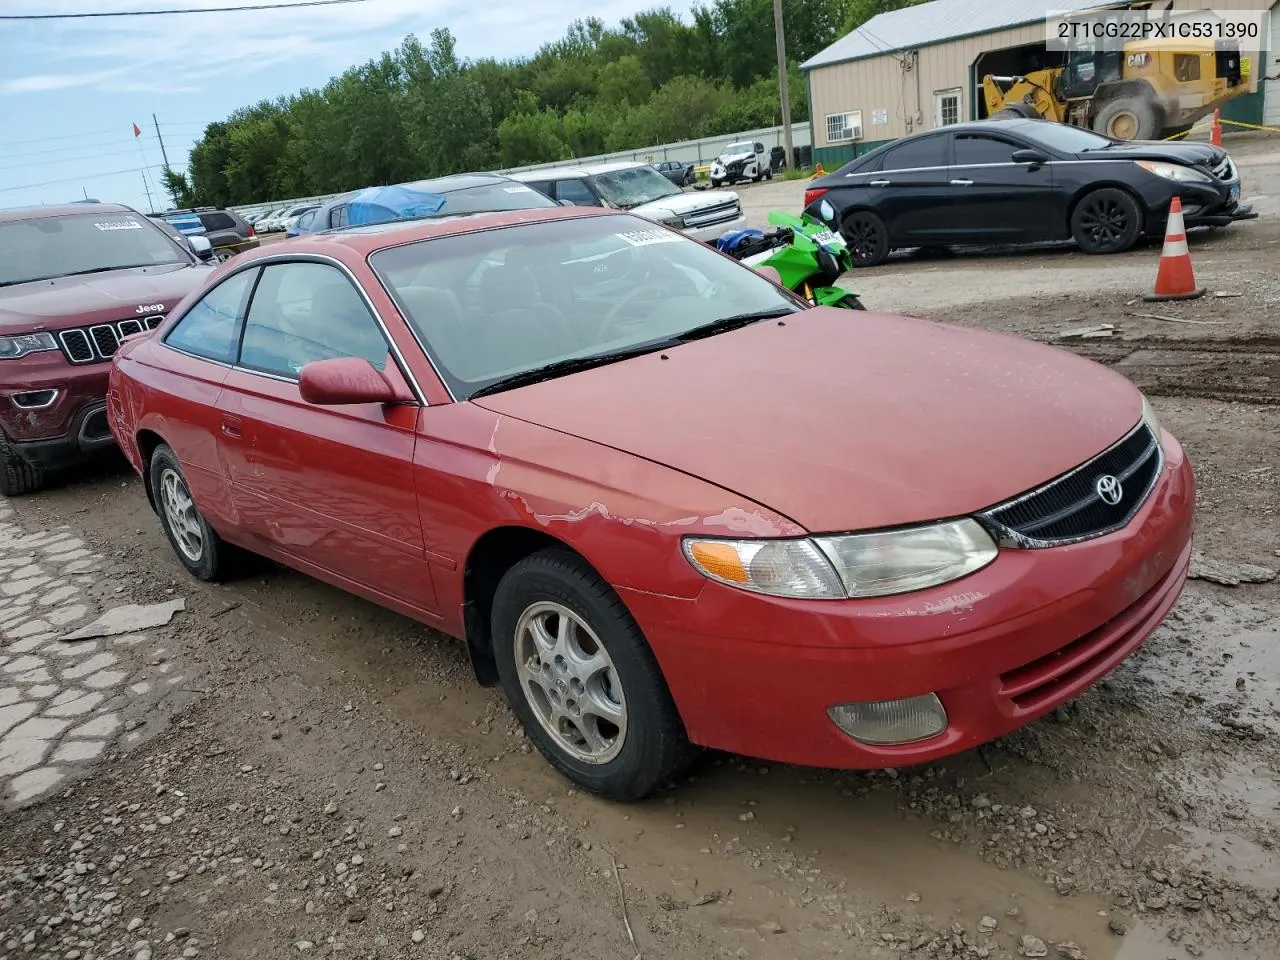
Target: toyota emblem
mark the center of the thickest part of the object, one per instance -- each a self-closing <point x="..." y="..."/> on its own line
<point x="1109" y="489"/>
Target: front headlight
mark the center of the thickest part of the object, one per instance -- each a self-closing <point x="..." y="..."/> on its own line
<point x="843" y="567"/>
<point x="1149" y="418"/>
<point x="899" y="561"/>
<point x="1174" y="171"/>
<point x="11" y="348"/>
<point x="672" y="221"/>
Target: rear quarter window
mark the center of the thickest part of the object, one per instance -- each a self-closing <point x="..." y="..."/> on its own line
<point x="218" y="221"/>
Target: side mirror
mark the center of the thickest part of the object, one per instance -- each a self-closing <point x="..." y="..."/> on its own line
<point x="1032" y="157"/>
<point x="202" y="247"/>
<point x="344" y="380"/>
<point x="566" y="203"/>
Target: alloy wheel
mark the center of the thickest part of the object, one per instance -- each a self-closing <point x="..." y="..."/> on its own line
<point x="570" y="682"/>
<point x="1105" y="221"/>
<point x="863" y="238"/>
<point x="181" y="516"/>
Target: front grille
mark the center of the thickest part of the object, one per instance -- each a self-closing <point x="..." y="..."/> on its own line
<point x="1225" y="170"/>
<point x="1071" y="508"/>
<point x="97" y="344"/>
<point x="713" y="215"/>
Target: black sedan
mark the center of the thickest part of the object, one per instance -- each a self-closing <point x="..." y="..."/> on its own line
<point x="679" y="172"/>
<point x="1022" y="181"/>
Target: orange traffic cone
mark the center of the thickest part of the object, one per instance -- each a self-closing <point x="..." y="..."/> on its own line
<point x="1175" y="280"/>
<point x="1215" y="132"/>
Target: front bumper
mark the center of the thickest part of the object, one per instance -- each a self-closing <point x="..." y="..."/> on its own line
<point x="65" y="431"/>
<point x="1008" y="644"/>
<point x="713" y="233"/>
<point x="1203" y="205"/>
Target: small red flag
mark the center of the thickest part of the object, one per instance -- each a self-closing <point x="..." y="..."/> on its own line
<point x="137" y="131"/>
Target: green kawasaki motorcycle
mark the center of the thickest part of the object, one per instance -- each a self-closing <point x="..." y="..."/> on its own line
<point x="806" y="253"/>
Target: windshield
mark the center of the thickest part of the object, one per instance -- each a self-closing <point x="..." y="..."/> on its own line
<point x="735" y="148"/>
<point x="1060" y="136"/>
<point x="625" y="189"/>
<point x="493" y="304"/>
<point x="46" y="247"/>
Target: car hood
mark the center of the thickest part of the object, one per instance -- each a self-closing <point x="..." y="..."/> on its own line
<point x="1195" y="154"/>
<point x="845" y="421"/>
<point x="682" y="203"/>
<point x="97" y="297"/>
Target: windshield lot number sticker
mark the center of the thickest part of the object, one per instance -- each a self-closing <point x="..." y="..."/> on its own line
<point x="643" y="238"/>
<point x="118" y="225"/>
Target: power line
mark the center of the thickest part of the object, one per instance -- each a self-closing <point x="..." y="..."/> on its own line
<point x="82" y="177"/>
<point x="65" y="136"/>
<point x="78" y="147"/>
<point x="71" y="157"/>
<point x="158" y="13"/>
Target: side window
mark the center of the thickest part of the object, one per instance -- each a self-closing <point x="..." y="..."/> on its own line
<point x="211" y="328"/>
<point x="576" y="192"/>
<point x="338" y="216"/>
<point x="307" y="311"/>
<point x="973" y="149"/>
<point x="218" y="221"/>
<point x="542" y="186"/>
<point x="924" y="152"/>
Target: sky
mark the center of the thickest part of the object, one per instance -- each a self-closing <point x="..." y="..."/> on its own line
<point x="71" y="90"/>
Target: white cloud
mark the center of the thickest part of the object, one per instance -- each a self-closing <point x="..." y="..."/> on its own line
<point x="191" y="51"/>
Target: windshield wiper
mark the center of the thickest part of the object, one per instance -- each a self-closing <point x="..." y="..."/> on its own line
<point x="572" y="365"/>
<point x="733" y="323"/>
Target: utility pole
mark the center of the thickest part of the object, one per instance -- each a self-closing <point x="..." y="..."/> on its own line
<point x="784" y="93"/>
<point x="164" y="154"/>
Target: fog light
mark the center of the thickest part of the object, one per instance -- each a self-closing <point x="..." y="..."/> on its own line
<point x="885" y="722"/>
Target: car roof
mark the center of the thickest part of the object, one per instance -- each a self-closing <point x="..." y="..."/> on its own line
<point x="584" y="170"/>
<point x="61" y="210"/>
<point x="366" y="239"/>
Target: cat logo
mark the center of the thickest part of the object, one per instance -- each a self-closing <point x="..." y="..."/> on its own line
<point x="1138" y="60"/>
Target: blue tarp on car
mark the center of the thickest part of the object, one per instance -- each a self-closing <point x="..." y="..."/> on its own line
<point x="380" y="204"/>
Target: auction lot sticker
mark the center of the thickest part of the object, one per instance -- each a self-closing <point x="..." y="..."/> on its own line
<point x="118" y="225"/>
<point x="643" y="238"/>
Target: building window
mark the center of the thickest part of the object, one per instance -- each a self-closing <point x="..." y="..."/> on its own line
<point x="843" y="127"/>
<point x="946" y="107"/>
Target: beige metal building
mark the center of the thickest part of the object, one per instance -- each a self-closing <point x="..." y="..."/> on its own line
<point x="921" y="67"/>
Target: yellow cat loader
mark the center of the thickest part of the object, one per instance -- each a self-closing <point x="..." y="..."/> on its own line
<point x="1143" y="92"/>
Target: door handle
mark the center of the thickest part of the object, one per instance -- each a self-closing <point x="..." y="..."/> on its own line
<point x="231" y="427"/>
<point x="879" y="183"/>
<point x="962" y="183"/>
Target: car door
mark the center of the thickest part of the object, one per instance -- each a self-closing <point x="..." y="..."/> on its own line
<point x="200" y="348"/>
<point x="995" y="200"/>
<point x="576" y="192"/>
<point x="329" y="485"/>
<point x="910" y="187"/>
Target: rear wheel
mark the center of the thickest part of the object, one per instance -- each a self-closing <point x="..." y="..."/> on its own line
<point x="17" y="476"/>
<point x="867" y="238"/>
<point x="717" y="184"/>
<point x="1128" y="118"/>
<point x="1106" y="221"/>
<point x="198" y="547"/>
<point x="582" y="679"/>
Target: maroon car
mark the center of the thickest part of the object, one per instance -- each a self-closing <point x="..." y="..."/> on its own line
<point x="75" y="280"/>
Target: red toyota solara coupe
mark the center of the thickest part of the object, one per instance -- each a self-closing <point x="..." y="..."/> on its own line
<point x="664" y="501"/>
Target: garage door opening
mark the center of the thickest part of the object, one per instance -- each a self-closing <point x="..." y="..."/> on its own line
<point x="1010" y="62"/>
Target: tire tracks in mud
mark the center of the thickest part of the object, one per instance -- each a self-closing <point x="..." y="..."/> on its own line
<point x="1242" y="370"/>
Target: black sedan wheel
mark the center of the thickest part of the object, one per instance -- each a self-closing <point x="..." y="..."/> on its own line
<point x="867" y="237"/>
<point x="1106" y="221"/>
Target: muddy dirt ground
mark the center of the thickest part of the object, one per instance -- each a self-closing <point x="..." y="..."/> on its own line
<point x="284" y="770"/>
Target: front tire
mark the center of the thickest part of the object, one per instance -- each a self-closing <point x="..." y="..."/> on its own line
<point x="1128" y="118"/>
<point x="17" y="476"/>
<point x="579" y="674"/>
<point x="717" y="184"/>
<point x="1106" y="221"/>
<point x="196" y="544"/>
<point x="867" y="238"/>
